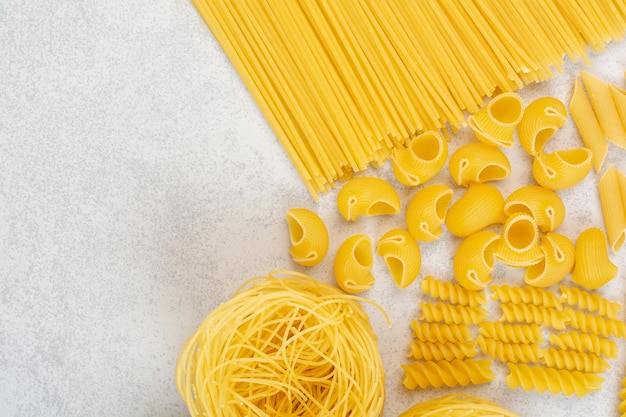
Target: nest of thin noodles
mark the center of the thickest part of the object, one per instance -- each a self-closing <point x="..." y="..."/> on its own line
<point x="283" y="345"/>
<point x="458" y="405"/>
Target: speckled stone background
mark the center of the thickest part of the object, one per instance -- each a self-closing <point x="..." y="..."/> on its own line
<point x="140" y="186"/>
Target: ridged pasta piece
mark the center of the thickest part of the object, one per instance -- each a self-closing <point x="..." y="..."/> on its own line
<point x="622" y="396"/>
<point x="423" y="157"/>
<point x="495" y="123"/>
<point x="587" y="124"/>
<point x="604" y="109"/>
<point x="478" y="162"/>
<point x="612" y="189"/>
<point x="530" y="313"/>
<point x="527" y="295"/>
<point x="599" y="325"/>
<point x="543" y="204"/>
<point x="367" y="196"/>
<point x="542" y="118"/>
<point x="593" y="267"/>
<point x="509" y="352"/>
<point x="402" y="255"/>
<point x="619" y="100"/>
<point x="441" y="332"/>
<point x="592" y="302"/>
<point x="511" y="332"/>
<point x="353" y="264"/>
<point x="453" y="373"/>
<point x="585" y="342"/>
<point x="573" y="360"/>
<point x="448" y="313"/>
<point x="436" y="351"/>
<point x="482" y="205"/>
<point x="559" y="255"/>
<point x="562" y="169"/>
<point x="557" y="381"/>
<point x="519" y="245"/>
<point x="474" y="260"/>
<point x="308" y="235"/>
<point x="426" y="212"/>
<point x="454" y="293"/>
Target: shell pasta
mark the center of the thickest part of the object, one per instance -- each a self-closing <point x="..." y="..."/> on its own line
<point x="423" y="157"/>
<point x="482" y="205"/>
<point x="541" y="119"/>
<point x="495" y="123"/>
<point x="474" y="260"/>
<point x="558" y="259"/>
<point x="593" y="267"/>
<point x="353" y="264"/>
<point x="562" y="169"/>
<point x="367" y="196"/>
<point x="426" y="212"/>
<point x="308" y="235"/>
<point x="402" y="255"/>
<point x="543" y="204"/>
<point x="519" y="246"/>
<point x="478" y="162"/>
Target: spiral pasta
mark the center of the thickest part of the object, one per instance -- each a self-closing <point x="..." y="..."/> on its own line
<point x="495" y="123"/>
<point x="592" y="302"/>
<point x="453" y="373"/>
<point x="511" y="332"/>
<point x="423" y="157"/>
<point x="527" y="295"/>
<point x="585" y="342"/>
<point x="367" y="196"/>
<point x="509" y="352"/>
<point x="622" y="396"/>
<point x="482" y="205"/>
<point x="574" y="361"/>
<point x="441" y="332"/>
<point x="478" y="162"/>
<point x="449" y="313"/>
<point x="426" y="212"/>
<point x="543" y="204"/>
<point x="519" y="245"/>
<point x="595" y="324"/>
<point x="353" y="264"/>
<point x="454" y="293"/>
<point x="530" y="313"/>
<point x="593" y="267"/>
<point x="474" y="259"/>
<point x="308" y="235"/>
<point x="558" y="259"/>
<point x="562" y="169"/>
<point x="540" y="121"/>
<point x="457" y="405"/>
<point x="402" y="255"/>
<point x="442" y="351"/>
<point x="556" y="381"/>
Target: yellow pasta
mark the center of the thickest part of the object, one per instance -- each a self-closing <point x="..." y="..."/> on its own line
<point x="558" y="259"/>
<point x="423" y="157"/>
<point x="562" y="169"/>
<point x="543" y="204"/>
<point x="474" y="260"/>
<point x="452" y="314"/>
<point x="519" y="245"/>
<point x="509" y="352"/>
<point x="593" y="267"/>
<point x="541" y="119"/>
<point x="308" y="235"/>
<point x="453" y="293"/>
<point x="592" y="302"/>
<point x="458" y="405"/>
<point x="557" y="381"/>
<point x="511" y="332"/>
<point x="495" y="123"/>
<point x="530" y="313"/>
<point x="436" y="351"/>
<point x="619" y="100"/>
<point x="612" y="189"/>
<point x="572" y="360"/>
<point x="402" y="255"/>
<point x="588" y="126"/>
<point x="353" y="264"/>
<point x="526" y="295"/>
<point x="478" y="162"/>
<point x="453" y="373"/>
<point x="367" y="196"/>
<point x="599" y="325"/>
<point x="622" y="396"/>
<point x="426" y="212"/>
<point x="585" y="342"/>
<point x="482" y="205"/>
<point x="441" y="332"/>
<point x="604" y="108"/>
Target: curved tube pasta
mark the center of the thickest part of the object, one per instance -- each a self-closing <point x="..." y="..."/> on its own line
<point x="426" y="212"/>
<point x="478" y="162"/>
<point x="519" y="246"/>
<point x="367" y="196"/>
<point x="599" y="325"/>
<point x="585" y="342"/>
<point x="593" y="268"/>
<point x="592" y="302"/>
<point x="556" y="381"/>
<point x="562" y="169"/>
<point x="402" y="255"/>
<point x="574" y="361"/>
<point x="441" y="332"/>
<point x="559" y="255"/>
<point x="474" y="260"/>
<point x="542" y="203"/>
<point x="453" y="293"/>
<point x="442" y="351"/>
<point x="308" y="235"/>
<point x="437" y="374"/>
<point x="511" y="332"/>
<point x="509" y="352"/>
<point x="452" y="314"/>
<point x="482" y="205"/>
<point x="541" y="119"/>
<point x="526" y="295"/>
<point x="421" y="160"/>
<point x="495" y="123"/>
<point x="612" y="189"/>
<point x="353" y="264"/>
<point x="530" y="313"/>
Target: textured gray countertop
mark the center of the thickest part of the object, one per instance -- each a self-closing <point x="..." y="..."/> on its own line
<point x="140" y="186"/>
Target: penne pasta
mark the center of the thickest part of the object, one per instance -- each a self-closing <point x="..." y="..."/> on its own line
<point x="562" y="169"/>
<point x="558" y="259"/>
<point x="308" y="235"/>
<point x="543" y="204"/>
<point x="478" y="162"/>
<point x="612" y="189"/>
<point x="474" y="260"/>
<point x="367" y="196"/>
<point x="588" y="126"/>
<point x="421" y="159"/>
<point x="604" y="109"/>
<point x="495" y="123"/>
<point x="619" y="100"/>
<point x="593" y="268"/>
<point x="482" y="205"/>
<point x="426" y="212"/>
<point x="519" y="246"/>
<point x="541" y="119"/>
<point x="353" y="264"/>
<point x="402" y="255"/>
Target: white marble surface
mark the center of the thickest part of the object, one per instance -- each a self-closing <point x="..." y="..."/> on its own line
<point x="140" y="185"/>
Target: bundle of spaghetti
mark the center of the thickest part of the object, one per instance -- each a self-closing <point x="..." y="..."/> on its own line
<point x="283" y="345"/>
<point x="344" y="83"/>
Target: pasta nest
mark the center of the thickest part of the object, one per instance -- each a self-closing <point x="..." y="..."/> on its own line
<point x="283" y="345"/>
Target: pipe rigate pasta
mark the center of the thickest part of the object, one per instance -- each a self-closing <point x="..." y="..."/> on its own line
<point x="441" y="332"/>
<point x="308" y="235"/>
<point x="530" y="313"/>
<point x="592" y="302"/>
<point x="478" y="162"/>
<point x="402" y="255"/>
<point x="437" y="374"/>
<point x="604" y="109"/>
<point x="612" y="189"/>
<point x="459" y="405"/>
<point x="543" y="204"/>
<point x="542" y="118"/>
<point x="454" y="293"/>
<point x="585" y="342"/>
<point x="495" y="123"/>
<point x="423" y="157"/>
<point x="511" y="332"/>
<point x="557" y="261"/>
<point x="574" y="361"/>
<point x="482" y="205"/>
<point x="593" y="267"/>
<point x="449" y="313"/>
<point x="436" y="351"/>
<point x="509" y="352"/>
<point x="599" y="325"/>
<point x="426" y="212"/>
<point x="367" y="196"/>
<point x="557" y="381"/>
<point x="353" y="264"/>
<point x="562" y="169"/>
<point x="519" y="245"/>
<point x="474" y="259"/>
<point x="526" y="295"/>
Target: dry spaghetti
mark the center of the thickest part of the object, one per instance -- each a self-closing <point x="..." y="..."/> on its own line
<point x="283" y="345"/>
